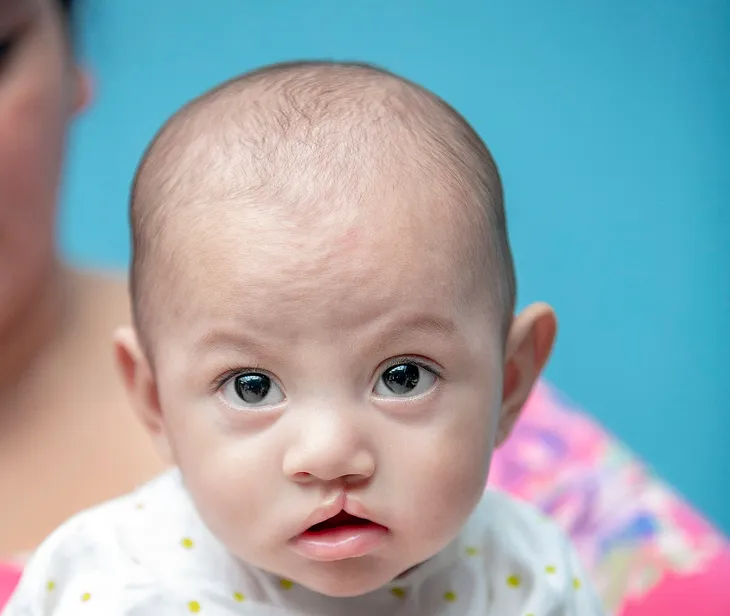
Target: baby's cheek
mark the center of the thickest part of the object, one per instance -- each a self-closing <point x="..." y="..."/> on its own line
<point x="448" y="473"/>
<point x="456" y="472"/>
<point x="231" y="485"/>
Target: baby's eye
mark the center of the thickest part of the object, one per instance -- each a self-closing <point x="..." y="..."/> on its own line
<point x="405" y="380"/>
<point x="251" y="389"/>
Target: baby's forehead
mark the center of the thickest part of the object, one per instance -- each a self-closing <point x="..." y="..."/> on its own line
<point x="342" y="252"/>
<point x="288" y="285"/>
<point x="249" y="258"/>
<point x="289" y="238"/>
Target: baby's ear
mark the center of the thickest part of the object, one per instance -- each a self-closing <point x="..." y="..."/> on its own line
<point x="141" y="386"/>
<point x="529" y="343"/>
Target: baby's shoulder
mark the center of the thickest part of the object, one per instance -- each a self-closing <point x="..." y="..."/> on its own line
<point x="513" y="524"/>
<point x="111" y="535"/>
<point x="521" y="545"/>
<point x="524" y="561"/>
<point x="143" y="553"/>
<point x="125" y="550"/>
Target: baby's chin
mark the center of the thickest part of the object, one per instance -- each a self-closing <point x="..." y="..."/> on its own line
<point x="354" y="577"/>
<point x="348" y="579"/>
<point x="351" y="577"/>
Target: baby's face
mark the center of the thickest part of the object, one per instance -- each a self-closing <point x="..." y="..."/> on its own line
<point x="331" y="397"/>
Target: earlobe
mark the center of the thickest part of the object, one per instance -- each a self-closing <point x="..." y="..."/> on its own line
<point x="528" y="348"/>
<point x="128" y="355"/>
<point x="141" y="386"/>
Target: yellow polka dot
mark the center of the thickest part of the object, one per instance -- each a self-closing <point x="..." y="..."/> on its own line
<point x="286" y="584"/>
<point x="472" y="551"/>
<point x="514" y="581"/>
<point x="237" y="596"/>
<point x="450" y="596"/>
<point x="86" y="597"/>
<point x="140" y="506"/>
<point x="576" y="583"/>
<point x="187" y="543"/>
<point x="51" y="586"/>
<point x="550" y="569"/>
<point x="194" y="607"/>
<point x="398" y="592"/>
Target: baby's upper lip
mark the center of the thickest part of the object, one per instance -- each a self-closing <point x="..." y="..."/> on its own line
<point x="331" y="509"/>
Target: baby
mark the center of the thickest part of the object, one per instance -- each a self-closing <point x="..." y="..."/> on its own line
<point x="325" y="348"/>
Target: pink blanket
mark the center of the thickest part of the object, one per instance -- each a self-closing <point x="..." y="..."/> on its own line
<point x="648" y="550"/>
<point x="9" y="577"/>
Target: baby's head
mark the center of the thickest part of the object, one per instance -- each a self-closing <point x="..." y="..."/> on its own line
<point x="323" y="294"/>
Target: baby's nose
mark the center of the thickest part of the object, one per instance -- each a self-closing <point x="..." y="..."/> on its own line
<point x="329" y="447"/>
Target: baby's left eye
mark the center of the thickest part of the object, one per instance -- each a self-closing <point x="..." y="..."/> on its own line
<point x="405" y="380"/>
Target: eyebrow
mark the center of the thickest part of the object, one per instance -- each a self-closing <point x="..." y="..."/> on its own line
<point x="424" y="323"/>
<point x="428" y="323"/>
<point x="227" y="338"/>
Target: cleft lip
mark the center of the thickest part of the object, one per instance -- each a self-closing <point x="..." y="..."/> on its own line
<point x="321" y="514"/>
<point x="335" y="514"/>
<point x="340" y="519"/>
<point x="340" y="529"/>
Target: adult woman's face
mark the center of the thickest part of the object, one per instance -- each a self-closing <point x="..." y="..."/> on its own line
<point x="40" y="89"/>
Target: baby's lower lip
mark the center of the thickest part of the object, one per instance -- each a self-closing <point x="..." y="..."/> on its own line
<point x="348" y="541"/>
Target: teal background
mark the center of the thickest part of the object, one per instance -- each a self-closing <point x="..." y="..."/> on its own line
<point x="611" y="124"/>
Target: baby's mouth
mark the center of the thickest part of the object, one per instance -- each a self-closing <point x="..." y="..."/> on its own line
<point x="340" y="537"/>
<point x="340" y="521"/>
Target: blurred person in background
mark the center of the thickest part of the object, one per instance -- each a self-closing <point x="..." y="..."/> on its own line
<point x="67" y="438"/>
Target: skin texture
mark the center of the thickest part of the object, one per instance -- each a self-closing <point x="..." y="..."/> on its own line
<point x="67" y="438"/>
<point x="324" y="311"/>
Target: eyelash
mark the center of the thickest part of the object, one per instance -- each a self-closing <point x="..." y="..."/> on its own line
<point x="231" y="372"/>
<point x="414" y="360"/>
<point x="221" y="380"/>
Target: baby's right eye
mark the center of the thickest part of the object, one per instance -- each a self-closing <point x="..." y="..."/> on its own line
<point x="251" y="390"/>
